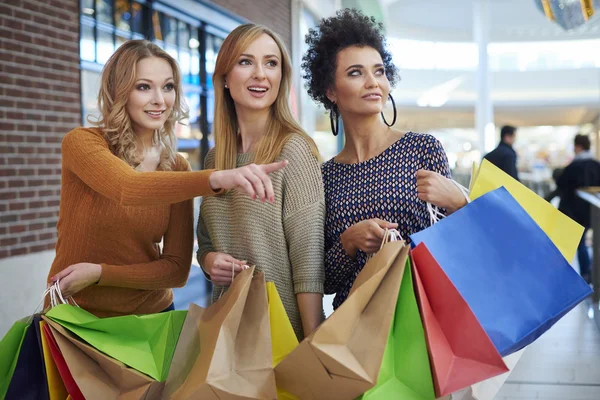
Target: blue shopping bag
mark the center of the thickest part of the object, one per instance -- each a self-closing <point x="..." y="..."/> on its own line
<point x="513" y="277"/>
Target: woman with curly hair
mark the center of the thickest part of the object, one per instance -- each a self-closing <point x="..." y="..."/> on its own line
<point x="383" y="177"/>
<point x="125" y="189"/>
<point x="253" y="123"/>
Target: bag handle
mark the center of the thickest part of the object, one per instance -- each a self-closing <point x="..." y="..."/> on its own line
<point x="389" y="235"/>
<point x="434" y="212"/>
<point x="56" y="298"/>
<point x="232" y="276"/>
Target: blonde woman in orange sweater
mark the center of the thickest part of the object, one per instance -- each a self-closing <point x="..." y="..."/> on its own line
<point x="125" y="189"/>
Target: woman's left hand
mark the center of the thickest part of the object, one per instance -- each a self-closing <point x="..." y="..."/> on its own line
<point x="77" y="277"/>
<point x="439" y="191"/>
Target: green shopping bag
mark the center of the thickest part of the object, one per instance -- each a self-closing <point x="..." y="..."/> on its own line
<point x="145" y="342"/>
<point x="405" y="372"/>
<point x="10" y="346"/>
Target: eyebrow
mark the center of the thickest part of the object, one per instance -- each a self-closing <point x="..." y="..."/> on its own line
<point x="362" y="66"/>
<point x="148" y="80"/>
<point x="251" y="56"/>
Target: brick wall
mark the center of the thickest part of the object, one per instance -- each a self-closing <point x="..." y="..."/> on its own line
<point x="39" y="103"/>
<point x="276" y="14"/>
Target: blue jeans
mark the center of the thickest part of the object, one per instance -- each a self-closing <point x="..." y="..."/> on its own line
<point x="583" y="257"/>
<point x="170" y="308"/>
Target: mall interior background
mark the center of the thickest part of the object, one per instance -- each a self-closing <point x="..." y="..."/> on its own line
<point x="467" y="67"/>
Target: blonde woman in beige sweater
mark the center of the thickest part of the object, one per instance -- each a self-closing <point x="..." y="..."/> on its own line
<point x="254" y="125"/>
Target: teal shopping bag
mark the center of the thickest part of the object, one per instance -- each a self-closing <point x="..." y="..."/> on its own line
<point x="10" y="346"/>
<point x="143" y="342"/>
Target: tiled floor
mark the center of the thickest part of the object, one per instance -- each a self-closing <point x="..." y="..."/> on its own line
<point x="564" y="364"/>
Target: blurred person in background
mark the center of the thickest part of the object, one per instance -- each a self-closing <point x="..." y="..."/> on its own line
<point x="504" y="156"/>
<point x="583" y="171"/>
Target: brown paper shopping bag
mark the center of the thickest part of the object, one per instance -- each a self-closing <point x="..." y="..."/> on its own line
<point x="342" y="357"/>
<point x="224" y="351"/>
<point x="99" y="376"/>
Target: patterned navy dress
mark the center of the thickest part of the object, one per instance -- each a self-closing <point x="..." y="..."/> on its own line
<point x="382" y="187"/>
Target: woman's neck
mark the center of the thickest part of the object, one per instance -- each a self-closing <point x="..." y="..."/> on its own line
<point x="144" y="139"/>
<point x="252" y="127"/>
<point x="366" y="137"/>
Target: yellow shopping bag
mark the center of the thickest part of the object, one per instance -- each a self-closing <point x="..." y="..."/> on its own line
<point x="562" y="230"/>
<point x="56" y="387"/>
<point x="283" y="338"/>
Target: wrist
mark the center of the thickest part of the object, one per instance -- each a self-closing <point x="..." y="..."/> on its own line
<point x="98" y="274"/>
<point x="213" y="181"/>
<point x="347" y="245"/>
<point x="205" y="259"/>
<point x="459" y="203"/>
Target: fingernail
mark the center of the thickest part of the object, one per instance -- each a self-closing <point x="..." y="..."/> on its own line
<point x="53" y="279"/>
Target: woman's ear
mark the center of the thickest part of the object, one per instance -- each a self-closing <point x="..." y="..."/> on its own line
<point x="330" y="93"/>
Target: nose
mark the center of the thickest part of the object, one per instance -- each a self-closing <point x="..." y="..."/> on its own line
<point x="259" y="72"/>
<point x="371" y="80"/>
<point x="158" y="97"/>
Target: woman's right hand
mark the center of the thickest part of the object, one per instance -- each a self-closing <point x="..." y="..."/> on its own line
<point x="219" y="267"/>
<point x="365" y="235"/>
<point x="252" y="179"/>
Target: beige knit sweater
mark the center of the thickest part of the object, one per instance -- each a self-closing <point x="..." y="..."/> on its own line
<point x="285" y="239"/>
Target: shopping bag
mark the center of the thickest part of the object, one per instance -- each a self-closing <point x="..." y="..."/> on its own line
<point x="562" y="230"/>
<point x="283" y="337"/>
<point x="56" y="386"/>
<point x="506" y="268"/>
<point x="224" y="351"/>
<point x="10" y="347"/>
<point x="460" y="351"/>
<point x="405" y="371"/>
<point x="29" y="378"/>
<point x="489" y="388"/>
<point x="97" y="376"/>
<point x="342" y="357"/>
<point x="61" y="365"/>
<point x="144" y="342"/>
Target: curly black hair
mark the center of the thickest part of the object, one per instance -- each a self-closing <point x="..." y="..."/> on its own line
<point x="349" y="27"/>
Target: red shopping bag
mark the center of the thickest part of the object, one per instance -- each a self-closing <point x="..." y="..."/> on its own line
<point x="460" y="350"/>
<point x="62" y="367"/>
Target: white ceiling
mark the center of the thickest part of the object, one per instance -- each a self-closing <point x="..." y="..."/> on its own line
<point x="452" y="20"/>
<point x="530" y="98"/>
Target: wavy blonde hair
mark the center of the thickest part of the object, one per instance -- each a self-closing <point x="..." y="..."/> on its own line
<point x="281" y="125"/>
<point x="117" y="82"/>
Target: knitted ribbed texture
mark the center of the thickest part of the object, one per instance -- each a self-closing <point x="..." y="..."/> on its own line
<point x="112" y="215"/>
<point x="285" y="239"/>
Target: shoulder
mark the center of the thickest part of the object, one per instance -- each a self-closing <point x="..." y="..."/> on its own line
<point x="209" y="161"/>
<point x="421" y="142"/>
<point x="84" y="134"/>
<point x="298" y="146"/>
<point x="181" y="164"/>
<point x="81" y="138"/>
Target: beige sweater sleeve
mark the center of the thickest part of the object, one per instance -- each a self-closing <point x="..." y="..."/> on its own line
<point x="304" y="215"/>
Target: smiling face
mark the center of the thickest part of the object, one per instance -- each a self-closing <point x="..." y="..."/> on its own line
<point x="361" y="86"/>
<point x="255" y="79"/>
<point x="151" y="101"/>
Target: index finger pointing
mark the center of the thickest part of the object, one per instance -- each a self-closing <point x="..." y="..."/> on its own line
<point x="276" y="166"/>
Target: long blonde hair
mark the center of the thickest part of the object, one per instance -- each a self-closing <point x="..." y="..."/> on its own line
<point x="117" y="82"/>
<point x="281" y="123"/>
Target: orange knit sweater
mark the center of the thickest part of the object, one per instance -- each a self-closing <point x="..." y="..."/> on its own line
<point x="112" y="215"/>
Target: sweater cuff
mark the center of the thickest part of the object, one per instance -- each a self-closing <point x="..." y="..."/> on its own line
<point x="199" y="254"/>
<point x="109" y="275"/>
<point x="308" y="287"/>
